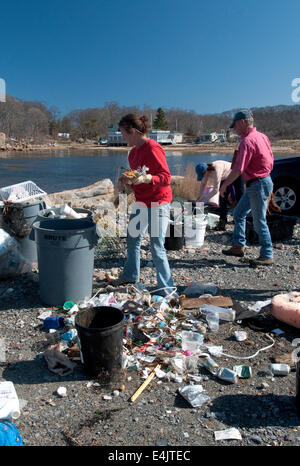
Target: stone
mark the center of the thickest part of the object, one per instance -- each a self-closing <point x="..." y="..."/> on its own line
<point x="256" y="439"/>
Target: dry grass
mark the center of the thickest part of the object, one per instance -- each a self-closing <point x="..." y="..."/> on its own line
<point x="186" y="187"/>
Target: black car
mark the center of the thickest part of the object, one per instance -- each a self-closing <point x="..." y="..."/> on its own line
<point x="286" y="179"/>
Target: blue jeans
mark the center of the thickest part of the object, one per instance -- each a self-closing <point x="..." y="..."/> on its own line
<point x="156" y="219"/>
<point x="254" y="200"/>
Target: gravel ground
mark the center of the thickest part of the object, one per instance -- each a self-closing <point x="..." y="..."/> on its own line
<point x="262" y="407"/>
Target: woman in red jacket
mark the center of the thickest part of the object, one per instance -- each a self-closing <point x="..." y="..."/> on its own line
<point x="153" y="195"/>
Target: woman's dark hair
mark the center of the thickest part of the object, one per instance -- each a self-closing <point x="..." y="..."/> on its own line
<point x="134" y="121"/>
<point x="210" y="167"/>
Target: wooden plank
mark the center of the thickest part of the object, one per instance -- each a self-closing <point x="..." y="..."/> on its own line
<point x="195" y="303"/>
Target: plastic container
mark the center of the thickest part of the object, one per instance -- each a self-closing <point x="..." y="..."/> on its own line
<point x="9" y="435"/>
<point x="174" y="240"/>
<point x="191" y="341"/>
<point x="9" y="401"/>
<point x="281" y="228"/>
<point x="212" y="318"/>
<point x="100" y="332"/>
<point x="194" y="232"/>
<point x="21" y="192"/>
<point x="26" y="243"/>
<point x="212" y="220"/>
<point x="65" y="259"/>
<point x="224" y="313"/>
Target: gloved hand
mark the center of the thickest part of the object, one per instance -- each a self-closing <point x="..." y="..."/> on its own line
<point x="142" y="179"/>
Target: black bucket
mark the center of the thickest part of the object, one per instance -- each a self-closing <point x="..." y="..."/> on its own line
<point x="175" y="237"/>
<point x="100" y="331"/>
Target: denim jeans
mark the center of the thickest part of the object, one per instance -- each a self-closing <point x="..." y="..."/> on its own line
<point x="156" y="219"/>
<point x="254" y="200"/>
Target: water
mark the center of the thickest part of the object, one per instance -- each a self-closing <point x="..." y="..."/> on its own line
<point x="60" y="170"/>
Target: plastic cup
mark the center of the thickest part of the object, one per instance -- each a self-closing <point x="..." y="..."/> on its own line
<point x="191" y="341"/>
<point x="212" y="318"/>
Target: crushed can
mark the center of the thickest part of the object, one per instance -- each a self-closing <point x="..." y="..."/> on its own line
<point x="279" y="369"/>
<point x="227" y="375"/>
<point x="210" y="365"/>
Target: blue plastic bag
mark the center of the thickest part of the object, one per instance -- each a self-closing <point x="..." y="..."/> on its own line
<point x="9" y="435"/>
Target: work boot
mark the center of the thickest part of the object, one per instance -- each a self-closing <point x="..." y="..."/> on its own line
<point x="262" y="261"/>
<point x="120" y="281"/>
<point x="235" y="250"/>
<point x="221" y="226"/>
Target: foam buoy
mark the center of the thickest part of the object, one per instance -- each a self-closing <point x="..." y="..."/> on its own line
<point x="286" y="307"/>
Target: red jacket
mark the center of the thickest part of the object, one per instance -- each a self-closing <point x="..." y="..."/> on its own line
<point x="153" y="156"/>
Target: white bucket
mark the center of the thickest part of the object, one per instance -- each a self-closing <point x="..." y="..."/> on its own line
<point x="194" y="232"/>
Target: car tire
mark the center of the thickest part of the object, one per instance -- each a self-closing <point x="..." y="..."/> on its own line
<point x="287" y="196"/>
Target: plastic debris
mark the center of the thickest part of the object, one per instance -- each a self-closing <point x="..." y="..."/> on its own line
<point x="243" y="372"/>
<point x="54" y="322"/>
<point x="224" y="313"/>
<point x="194" y="394"/>
<point x="257" y="307"/>
<point x="191" y="341"/>
<point x="9" y="435"/>
<point x="228" y="434"/>
<point x="240" y="336"/>
<point x="12" y="262"/>
<point x="9" y="401"/>
<point x="196" y="289"/>
<point x="62" y="392"/>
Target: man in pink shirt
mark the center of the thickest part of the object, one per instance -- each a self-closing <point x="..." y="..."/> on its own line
<point x="254" y="162"/>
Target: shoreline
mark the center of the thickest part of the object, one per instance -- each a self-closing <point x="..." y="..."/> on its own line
<point x="281" y="147"/>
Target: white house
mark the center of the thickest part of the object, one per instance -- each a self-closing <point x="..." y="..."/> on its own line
<point x="63" y="135"/>
<point x="115" y="137"/>
<point x="165" y="137"/>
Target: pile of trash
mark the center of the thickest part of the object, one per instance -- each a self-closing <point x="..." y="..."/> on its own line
<point x="165" y="337"/>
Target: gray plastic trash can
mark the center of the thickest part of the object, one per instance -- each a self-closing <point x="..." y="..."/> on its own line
<point x="65" y="259"/>
<point x="26" y="242"/>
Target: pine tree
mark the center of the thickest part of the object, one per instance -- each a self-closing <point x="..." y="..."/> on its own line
<point x="160" y="121"/>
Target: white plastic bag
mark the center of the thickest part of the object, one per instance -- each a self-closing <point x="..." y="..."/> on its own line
<point x="12" y="261"/>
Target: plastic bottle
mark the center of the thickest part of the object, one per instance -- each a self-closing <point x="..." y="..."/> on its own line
<point x="9" y="401"/>
<point x="224" y="313"/>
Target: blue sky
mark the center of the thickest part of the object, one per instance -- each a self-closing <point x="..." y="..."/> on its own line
<point x="204" y="56"/>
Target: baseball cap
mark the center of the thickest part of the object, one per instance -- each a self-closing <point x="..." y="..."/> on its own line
<point x="200" y="170"/>
<point x="241" y="115"/>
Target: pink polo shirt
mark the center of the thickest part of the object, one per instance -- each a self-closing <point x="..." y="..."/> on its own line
<point x="255" y="157"/>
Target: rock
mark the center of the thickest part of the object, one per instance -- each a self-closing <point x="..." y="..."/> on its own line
<point x="161" y="443"/>
<point x="100" y="192"/>
<point x="256" y="439"/>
